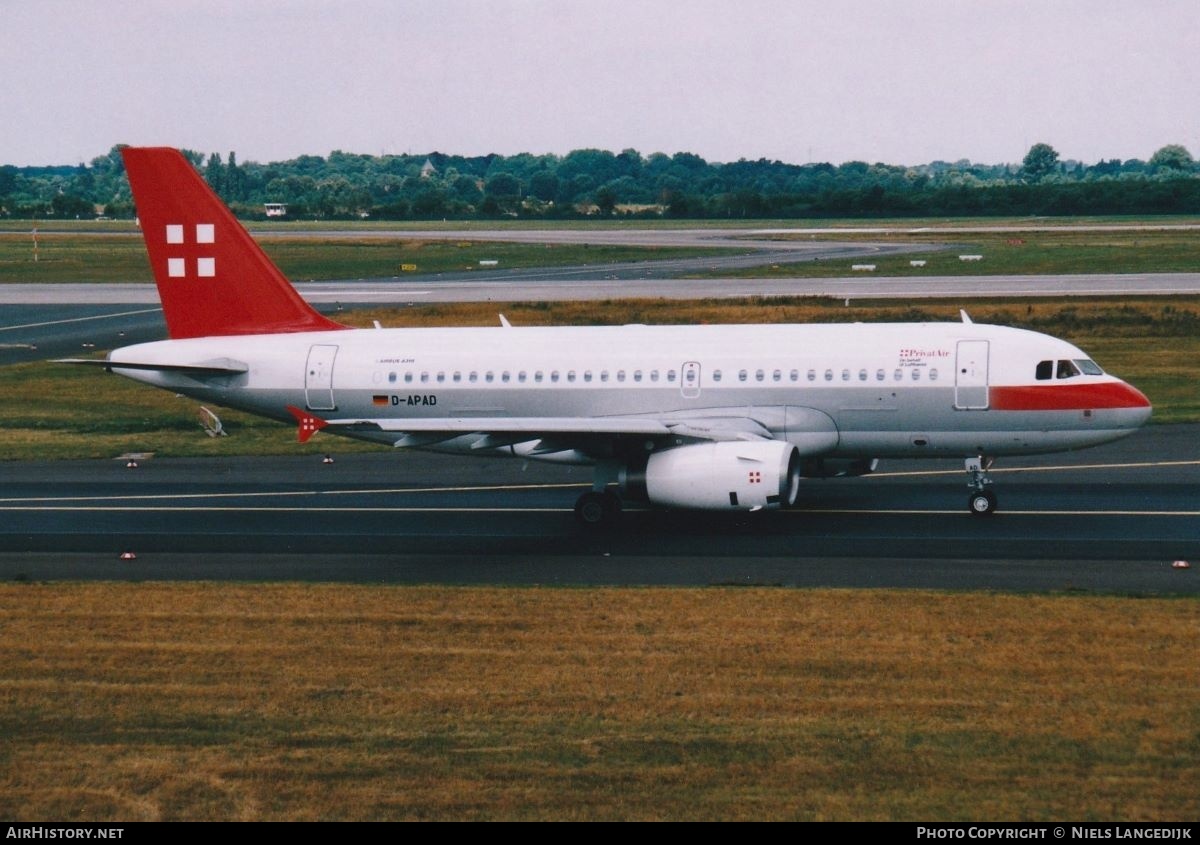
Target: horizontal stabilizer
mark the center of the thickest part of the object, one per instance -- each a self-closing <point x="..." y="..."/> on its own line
<point x="223" y="367"/>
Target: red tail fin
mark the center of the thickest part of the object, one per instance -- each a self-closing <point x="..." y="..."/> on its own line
<point x="212" y="277"/>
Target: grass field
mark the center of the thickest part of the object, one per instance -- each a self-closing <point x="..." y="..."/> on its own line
<point x="58" y="411"/>
<point x="228" y="701"/>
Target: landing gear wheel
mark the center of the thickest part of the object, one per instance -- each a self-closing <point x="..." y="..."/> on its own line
<point x="982" y="503"/>
<point x="596" y="509"/>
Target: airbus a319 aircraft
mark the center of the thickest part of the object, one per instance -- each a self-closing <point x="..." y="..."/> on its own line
<point x="709" y="417"/>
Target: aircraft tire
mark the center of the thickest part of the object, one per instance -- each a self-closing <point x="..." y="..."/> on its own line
<point x="982" y="503"/>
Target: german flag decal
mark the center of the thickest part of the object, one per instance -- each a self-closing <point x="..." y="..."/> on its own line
<point x="379" y="399"/>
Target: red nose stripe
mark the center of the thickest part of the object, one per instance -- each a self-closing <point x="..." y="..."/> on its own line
<point x="1067" y="397"/>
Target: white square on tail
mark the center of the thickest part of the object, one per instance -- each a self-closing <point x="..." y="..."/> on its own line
<point x="204" y="233"/>
<point x="175" y="267"/>
<point x="174" y="233"/>
<point x="206" y="267"/>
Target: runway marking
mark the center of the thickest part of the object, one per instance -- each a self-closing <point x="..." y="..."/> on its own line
<point x="1062" y="468"/>
<point x="415" y="509"/>
<point x="80" y="319"/>
<point x="291" y="493"/>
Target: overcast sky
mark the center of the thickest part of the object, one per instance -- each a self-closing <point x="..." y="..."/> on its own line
<point x="902" y="82"/>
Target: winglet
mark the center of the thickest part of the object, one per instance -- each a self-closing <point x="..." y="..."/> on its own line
<point x="307" y="424"/>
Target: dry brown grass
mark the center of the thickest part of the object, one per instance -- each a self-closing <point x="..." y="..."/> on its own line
<point x="218" y="701"/>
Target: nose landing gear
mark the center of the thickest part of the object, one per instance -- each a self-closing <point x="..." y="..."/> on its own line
<point x="982" y="501"/>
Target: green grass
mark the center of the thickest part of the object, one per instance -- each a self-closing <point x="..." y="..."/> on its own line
<point x="121" y="257"/>
<point x="304" y="702"/>
<point x="59" y="411"/>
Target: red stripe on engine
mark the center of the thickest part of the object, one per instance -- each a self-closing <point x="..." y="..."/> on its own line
<point x="1067" y="397"/>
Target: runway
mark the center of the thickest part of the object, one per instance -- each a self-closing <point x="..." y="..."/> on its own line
<point x="1107" y="519"/>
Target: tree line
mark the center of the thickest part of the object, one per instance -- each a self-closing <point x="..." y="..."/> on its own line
<point x="600" y="183"/>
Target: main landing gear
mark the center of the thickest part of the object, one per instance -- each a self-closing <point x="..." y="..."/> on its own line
<point x="982" y="501"/>
<point x="600" y="506"/>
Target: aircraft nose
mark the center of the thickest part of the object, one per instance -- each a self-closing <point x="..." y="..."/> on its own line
<point x="1132" y="408"/>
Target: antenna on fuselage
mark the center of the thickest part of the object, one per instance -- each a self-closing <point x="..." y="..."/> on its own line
<point x="962" y="312"/>
<point x="504" y="322"/>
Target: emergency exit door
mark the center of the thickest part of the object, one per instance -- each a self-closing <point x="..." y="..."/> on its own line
<point x="971" y="376"/>
<point x="318" y="377"/>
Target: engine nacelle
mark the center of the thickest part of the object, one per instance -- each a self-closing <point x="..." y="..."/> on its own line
<point x="725" y="476"/>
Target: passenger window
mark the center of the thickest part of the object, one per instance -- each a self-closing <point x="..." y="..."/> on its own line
<point x="794" y="375"/>
<point x="933" y="374"/>
<point x="620" y="375"/>
<point x="812" y="375"/>
<point x="521" y="376"/>
<point x="604" y="375"/>
<point x="505" y="376"/>
<point x="537" y="376"/>
<point x="741" y="375"/>
<point x="758" y="375"/>
<point x="716" y="375"/>
<point x="829" y="375"/>
<point x="671" y="376"/>
<point x="1067" y="369"/>
<point x="554" y="375"/>
<point x="777" y="375"/>
<point x="392" y="378"/>
<point x="570" y="375"/>
<point x="898" y="374"/>
<point x="654" y="375"/>
<point x="408" y="378"/>
<point x="1044" y="369"/>
<point x="473" y="377"/>
<point x="637" y="375"/>
<point x="879" y="374"/>
<point x="916" y="374"/>
<point x="489" y="377"/>
<point x="845" y="375"/>
<point x="424" y="378"/>
<point x="587" y="375"/>
<point x="441" y="377"/>
<point x="457" y="376"/>
<point x="862" y="375"/>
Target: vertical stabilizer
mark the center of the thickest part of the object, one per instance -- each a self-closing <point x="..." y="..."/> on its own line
<point x="212" y="278"/>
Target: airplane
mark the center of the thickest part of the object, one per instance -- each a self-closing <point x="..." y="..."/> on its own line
<point x="710" y="417"/>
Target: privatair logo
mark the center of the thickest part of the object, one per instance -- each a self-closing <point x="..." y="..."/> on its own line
<point x="205" y="267"/>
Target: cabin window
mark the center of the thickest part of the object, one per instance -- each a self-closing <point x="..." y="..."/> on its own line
<point x="742" y="374"/>
<point x="505" y="376"/>
<point x="845" y="375"/>
<point x="521" y="376"/>
<point x="457" y="376"/>
<point x="777" y="375"/>
<point x="654" y="375"/>
<point x="408" y="377"/>
<point x="933" y="373"/>
<point x="489" y="377"/>
<point x="670" y="375"/>
<point x="473" y="377"/>
<point x="829" y="375"/>
<point x="554" y="375"/>
<point x="812" y="375"/>
<point x="1044" y="370"/>
<point x="862" y="375"/>
<point x="898" y="374"/>
<point x="604" y="375"/>
<point x="916" y="374"/>
<point x="758" y="375"/>
<point x="587" y="375"/>
<point x="637" y="375"/>
<point x="537" y="376"/>
<point x="424" y="378"/>
<point x="441" y="377"/>
<point x="1090" y="368"/>
<point x="570" y="375"/>
<point x="392" y="378"/>
<point x="716" y="375"/>
<point x="1067" y="369"/>
<point x="620" y="375"/>
<point x="879" y="374"/>
<point x="794" y="375"/>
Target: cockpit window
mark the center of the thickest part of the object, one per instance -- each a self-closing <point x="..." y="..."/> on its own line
<point x="1090" y="368"/>
<point x="1067" y="369"/>
<point x="1045" y="369"/>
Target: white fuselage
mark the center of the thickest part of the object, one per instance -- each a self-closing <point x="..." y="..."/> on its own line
<point x="840" y="391"/>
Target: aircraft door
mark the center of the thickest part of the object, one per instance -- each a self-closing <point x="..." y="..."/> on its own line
<point x="971" y="376"/>
<point x="318" y="377"/>
<point x="689" y="379"/>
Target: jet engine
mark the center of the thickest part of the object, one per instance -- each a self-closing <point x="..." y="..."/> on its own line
<point x="720" y="476"/>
